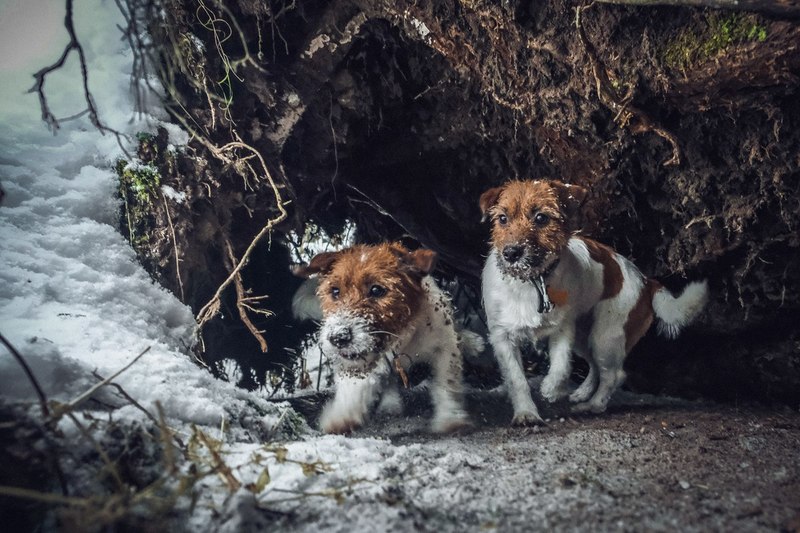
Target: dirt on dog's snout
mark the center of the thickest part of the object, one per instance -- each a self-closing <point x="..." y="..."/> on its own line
<point x="648" y="464"/>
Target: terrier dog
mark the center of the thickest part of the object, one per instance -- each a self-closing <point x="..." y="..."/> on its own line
<point x="382" y="312"/>
<point x="541" y="281"/>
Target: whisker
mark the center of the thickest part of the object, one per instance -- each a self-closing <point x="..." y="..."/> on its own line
<point x="386" y="332"/>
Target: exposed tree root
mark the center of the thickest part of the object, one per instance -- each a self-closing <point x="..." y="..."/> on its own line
<point x="626" y="115"/>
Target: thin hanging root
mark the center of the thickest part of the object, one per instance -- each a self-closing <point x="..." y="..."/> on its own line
<point x="625" y="114"/>
<point x="174" y="248"/>
<point x="243" y="306"/>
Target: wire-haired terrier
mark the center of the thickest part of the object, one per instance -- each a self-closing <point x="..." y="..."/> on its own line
<point x="381" y="313"/>
<point x="541" y="281"/>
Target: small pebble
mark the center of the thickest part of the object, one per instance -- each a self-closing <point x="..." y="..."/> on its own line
<point x="684" y="484"/>
<point x="561" y="420"/>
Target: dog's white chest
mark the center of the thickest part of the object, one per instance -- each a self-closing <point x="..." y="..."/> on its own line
<point x="512" y="305"/>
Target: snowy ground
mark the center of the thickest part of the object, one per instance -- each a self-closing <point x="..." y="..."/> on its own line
<point x="650" y="464"/>
<point x="74" y="301"/>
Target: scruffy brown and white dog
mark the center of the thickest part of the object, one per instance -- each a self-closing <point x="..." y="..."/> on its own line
<point x="541" y="281"/>
<point x="380" y="309"/>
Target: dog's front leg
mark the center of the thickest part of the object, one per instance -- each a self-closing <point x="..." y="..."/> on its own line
<point x="554" y="385"/>
<point x="351" y="404"/>
<point x="448" y="391"/>
<point x="510" y="361"/>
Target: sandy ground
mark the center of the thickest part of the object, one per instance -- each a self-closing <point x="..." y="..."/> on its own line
<point x="648" y="464"/>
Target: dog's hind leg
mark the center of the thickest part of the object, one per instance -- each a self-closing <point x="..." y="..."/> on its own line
<point x="609" y="354"/>
<point x="589" y="385"/>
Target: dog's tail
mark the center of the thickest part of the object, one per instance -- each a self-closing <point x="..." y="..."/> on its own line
<point x="673" y="313"/>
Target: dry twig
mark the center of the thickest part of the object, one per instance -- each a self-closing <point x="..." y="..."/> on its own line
<point x="65" y="408"/>
<point x="242" y="302"/>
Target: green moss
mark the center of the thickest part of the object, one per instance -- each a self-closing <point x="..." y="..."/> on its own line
<point x="144" y="137"/>
<point x="691" y="47"/>
<point x="138" y="187"/>
<point x="140" y="180"/>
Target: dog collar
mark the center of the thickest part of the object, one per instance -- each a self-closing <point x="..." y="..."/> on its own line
<point x="545" y="304"/>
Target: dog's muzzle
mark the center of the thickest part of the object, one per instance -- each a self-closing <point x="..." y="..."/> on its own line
<point x="521" y="261"/>
<point x="348" y="337"/>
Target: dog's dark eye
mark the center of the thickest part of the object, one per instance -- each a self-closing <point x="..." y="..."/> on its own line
<point x="335" y="293"/>
<point x="541" y="219"/>
<point x="502" y="220"/>
<point x="376" y="291"/>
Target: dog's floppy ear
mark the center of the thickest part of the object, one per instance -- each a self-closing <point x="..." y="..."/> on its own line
<point x="487" y="201"/>
<point x="320" y="264"/>
<point x="571" y="199"/>
<point x="419" y="262"/>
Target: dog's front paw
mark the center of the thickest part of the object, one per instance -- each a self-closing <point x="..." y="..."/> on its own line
<point x="341" y="426"/>
<point x="552" y="391"/>
<point x="527" y="418"/>
<point x="588" y="407"/>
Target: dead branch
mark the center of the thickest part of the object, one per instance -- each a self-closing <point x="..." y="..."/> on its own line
<point x="29" y="374"/>
<point x="625" y="114"/>
<point x="40" y="77"/>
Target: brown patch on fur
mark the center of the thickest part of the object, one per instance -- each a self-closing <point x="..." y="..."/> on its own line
<point x="641" y="316"/>
<point x="612" y="273"/>
<point x="557" y="296"/>
<point x="391" y="266"/>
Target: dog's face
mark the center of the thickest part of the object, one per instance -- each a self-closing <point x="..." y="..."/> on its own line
<point x="531" y="223"/>
<point x="369" y="295"/>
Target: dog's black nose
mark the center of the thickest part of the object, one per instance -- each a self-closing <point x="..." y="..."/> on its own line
<point x="341" y="338"/>
<point x="512" y="253"/>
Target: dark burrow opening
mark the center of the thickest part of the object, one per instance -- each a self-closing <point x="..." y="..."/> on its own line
<point x="400" y="144"/>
